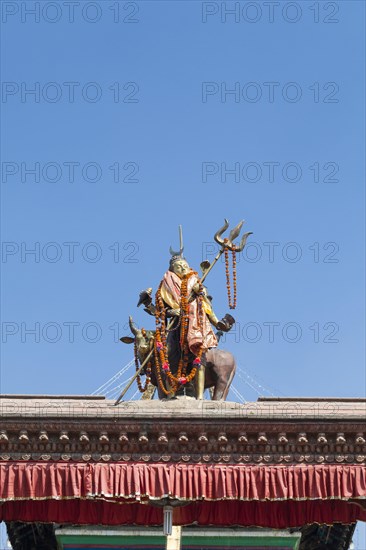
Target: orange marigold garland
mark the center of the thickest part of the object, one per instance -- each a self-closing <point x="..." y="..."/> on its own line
<point x="160" y="345"/>
<point x="232" y="304"/>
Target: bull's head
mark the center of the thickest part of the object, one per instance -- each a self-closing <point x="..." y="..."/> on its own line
<point x="144" y="342"/>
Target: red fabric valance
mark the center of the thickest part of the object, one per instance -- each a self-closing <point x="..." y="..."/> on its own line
<point x="276" y="515"/>
<point x="139" y="481"/>
<point x="272" y="496"/>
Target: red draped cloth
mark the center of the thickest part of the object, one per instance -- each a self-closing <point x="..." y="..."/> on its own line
<point x="206" y="494"/>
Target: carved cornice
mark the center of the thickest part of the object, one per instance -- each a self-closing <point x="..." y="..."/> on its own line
<point x="184" y="430"/>
<point x="194" y="442"/>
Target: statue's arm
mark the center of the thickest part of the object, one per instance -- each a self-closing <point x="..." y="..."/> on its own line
<point x="150" y="309"/>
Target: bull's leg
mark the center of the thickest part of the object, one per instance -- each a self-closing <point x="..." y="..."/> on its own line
<point x="220" y="391"/>
<point x="222" y="386"/>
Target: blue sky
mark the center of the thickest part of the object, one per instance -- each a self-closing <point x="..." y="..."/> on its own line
<point x="130" y="131"/>
<point x="171" y="134"/>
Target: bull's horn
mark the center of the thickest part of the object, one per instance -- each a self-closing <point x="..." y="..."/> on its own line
<point x="133" y="327"/>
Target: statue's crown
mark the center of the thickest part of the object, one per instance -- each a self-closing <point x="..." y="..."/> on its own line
<point x="175" y="258"/>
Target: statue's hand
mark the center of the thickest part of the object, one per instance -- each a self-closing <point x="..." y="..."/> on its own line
<point x="150" y="309"/>
<point x="197" y="288"/>
<point x="174" y="312"/>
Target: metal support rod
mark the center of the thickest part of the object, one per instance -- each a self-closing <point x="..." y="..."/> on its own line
<point x="124" y="391"/>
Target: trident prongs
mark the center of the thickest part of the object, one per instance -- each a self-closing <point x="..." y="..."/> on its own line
<point x="243" y="241"/>
<point x="234" y="233"/>
<point x="181" y="247"/>
<point x="218" y="234"/>
<point x="229" y="243"/>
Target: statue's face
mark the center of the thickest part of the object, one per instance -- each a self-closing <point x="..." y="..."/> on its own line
<point x="181" y="268"/>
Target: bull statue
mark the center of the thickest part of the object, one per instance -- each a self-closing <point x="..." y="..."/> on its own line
<point x="218" y="365"/>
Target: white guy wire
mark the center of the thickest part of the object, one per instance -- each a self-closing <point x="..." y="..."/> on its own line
<point x="237" y="393"/>
<point x="117" y="388"/>
<point x="104" y="386"/>
<point x="249" y="384"/>
<point x="278" y="392"/>
<point x="134" y="395"/>
<point x="254" y="380"/>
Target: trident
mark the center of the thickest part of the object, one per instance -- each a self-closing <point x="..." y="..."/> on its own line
<point x="225" y="243"/>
